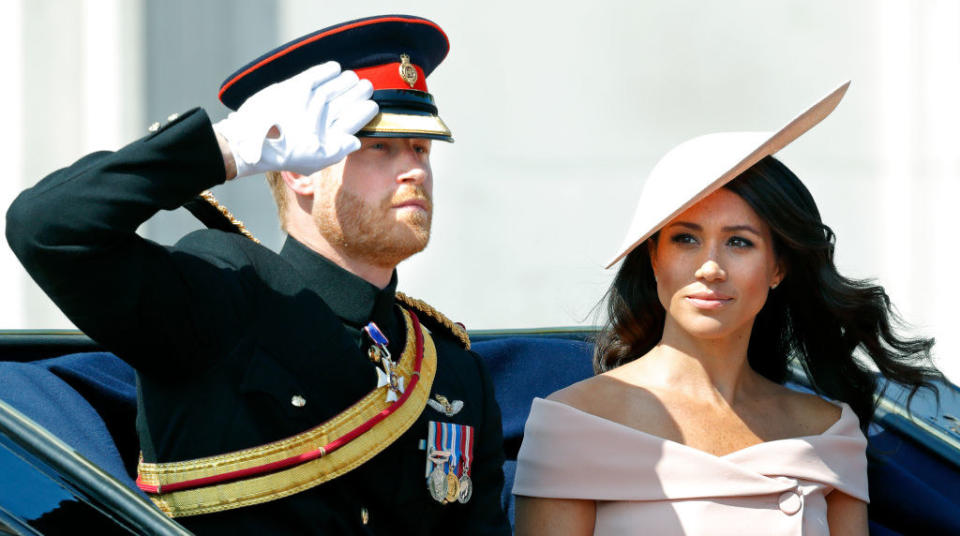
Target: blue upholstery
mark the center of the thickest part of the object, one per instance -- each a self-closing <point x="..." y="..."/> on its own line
<point x="75" y="397"/>
<point x="523" y="368"/>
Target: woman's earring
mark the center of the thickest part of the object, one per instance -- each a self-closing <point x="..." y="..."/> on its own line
<point x="773" y="286"/>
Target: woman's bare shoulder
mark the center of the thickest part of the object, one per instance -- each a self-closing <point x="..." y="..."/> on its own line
<point x="584" y="394"/>
<point x="611" y="397"/>
<point x="811" y="414"/>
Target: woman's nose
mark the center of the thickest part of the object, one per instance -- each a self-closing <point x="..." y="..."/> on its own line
<point x="711" y="271"/>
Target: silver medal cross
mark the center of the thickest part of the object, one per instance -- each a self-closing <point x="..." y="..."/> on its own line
<point x="387" y="375"/>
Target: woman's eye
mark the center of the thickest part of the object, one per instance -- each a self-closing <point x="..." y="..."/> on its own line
<point x="740" y="242"/>
<point x="683" y="238"/>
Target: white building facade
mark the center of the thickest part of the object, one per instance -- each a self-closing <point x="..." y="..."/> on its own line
<point x="559" y="112"/>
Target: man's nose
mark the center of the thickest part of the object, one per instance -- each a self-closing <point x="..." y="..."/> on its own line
<point x="414" y="175"/>
<point x="413" y="171"/>
<point x="711" y="271"/>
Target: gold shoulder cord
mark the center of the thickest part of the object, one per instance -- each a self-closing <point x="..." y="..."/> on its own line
<point x="208" y="197"/>
<point x="421" y="306"/>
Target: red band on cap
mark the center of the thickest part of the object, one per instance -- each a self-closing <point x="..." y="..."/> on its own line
<point x="337" y="30"/>
<point x="388" y="77"/>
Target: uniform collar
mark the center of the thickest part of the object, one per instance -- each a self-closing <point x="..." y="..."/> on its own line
<point x="355" y="300"/>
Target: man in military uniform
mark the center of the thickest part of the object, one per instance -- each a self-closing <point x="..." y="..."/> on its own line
<point x="295" y="392"/>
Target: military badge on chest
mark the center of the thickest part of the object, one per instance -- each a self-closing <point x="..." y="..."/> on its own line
<point x="441" y="404"/>
<point x="449" y="458"/>
<point x="379" y="354"/>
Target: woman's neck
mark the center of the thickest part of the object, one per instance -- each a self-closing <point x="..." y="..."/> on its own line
<point x="703" y="368"/>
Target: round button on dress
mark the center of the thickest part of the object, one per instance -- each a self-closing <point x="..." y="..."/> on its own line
<point x="790" y="502"/>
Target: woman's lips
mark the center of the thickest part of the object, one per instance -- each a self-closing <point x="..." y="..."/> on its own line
<point x="709" y="300"/>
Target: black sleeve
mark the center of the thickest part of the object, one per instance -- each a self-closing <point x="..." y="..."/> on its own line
<point x="75" y="232"/>
<point x="484" y="513"/>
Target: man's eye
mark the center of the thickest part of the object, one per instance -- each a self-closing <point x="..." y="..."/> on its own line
<point x="377" y="146"/>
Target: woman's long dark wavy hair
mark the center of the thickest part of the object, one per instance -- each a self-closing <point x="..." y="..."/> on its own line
<point x="816" y="316"/>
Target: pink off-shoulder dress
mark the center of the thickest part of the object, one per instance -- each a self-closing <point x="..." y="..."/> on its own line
<point x="644" y="484"/>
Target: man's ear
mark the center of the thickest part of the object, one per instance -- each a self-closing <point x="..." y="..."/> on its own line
<point x="300" y="184"/>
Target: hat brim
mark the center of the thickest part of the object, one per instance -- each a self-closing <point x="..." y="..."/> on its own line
<point x="401" y="125"/>
<point x="696" y="168"/>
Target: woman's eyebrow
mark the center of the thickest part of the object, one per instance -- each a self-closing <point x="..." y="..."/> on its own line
<point x="742" y="227"/>
<point x="694" y="226"/>
<point x="726" y="229"/>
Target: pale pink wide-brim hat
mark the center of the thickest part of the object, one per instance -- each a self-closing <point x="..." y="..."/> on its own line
<point x="698" y="167"/>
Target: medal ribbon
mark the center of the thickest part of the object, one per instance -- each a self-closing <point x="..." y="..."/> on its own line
<point x="454" y="446"/>
<point x="431" y="444"/>
<point x="466" y="447"/>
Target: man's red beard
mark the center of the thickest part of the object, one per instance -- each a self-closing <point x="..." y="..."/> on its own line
<point x="379" y="235"/>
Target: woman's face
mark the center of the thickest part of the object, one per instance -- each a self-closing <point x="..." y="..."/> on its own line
<point x="714" y="265"/>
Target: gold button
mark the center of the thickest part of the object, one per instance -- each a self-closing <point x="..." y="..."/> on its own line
<point x="154" y="127"/>
<point x="364" y="515"/>
<point x="172" y="117"/>
<point x="298" y="401"/>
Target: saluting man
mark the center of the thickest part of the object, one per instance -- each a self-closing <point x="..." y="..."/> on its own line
<point x="295" y="392"/>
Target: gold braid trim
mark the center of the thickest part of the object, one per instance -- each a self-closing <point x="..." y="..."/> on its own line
<point x="208" y="197"/>
<point x="423" y="307"/>
<point x="266" y="487"/>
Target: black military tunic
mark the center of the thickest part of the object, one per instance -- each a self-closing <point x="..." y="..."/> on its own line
<point x="237" y="346"/>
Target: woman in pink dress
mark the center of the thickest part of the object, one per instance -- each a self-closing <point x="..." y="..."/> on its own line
<point x="727" y="279"/>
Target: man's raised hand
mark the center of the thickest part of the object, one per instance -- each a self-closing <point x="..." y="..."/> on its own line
<point x="303" y="124"/>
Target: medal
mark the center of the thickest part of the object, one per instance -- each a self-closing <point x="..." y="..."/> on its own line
<point x="452" y="444"/>
<point x="378" y="353"/>
<point x="437" y="485"/>
<point x="466" y="483"/>
<point x="389" y="377"/>
<point x="378" y="349"/>
<point x="453" y="486"/>
<point x="466" y="489"/>
<point x="449" y="450"/>
<point x="436" y="480"/>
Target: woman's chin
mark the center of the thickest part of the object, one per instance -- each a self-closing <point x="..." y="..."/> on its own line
<point x="706" y="327"/>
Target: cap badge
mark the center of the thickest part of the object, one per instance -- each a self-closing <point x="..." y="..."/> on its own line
<point x="407" y="71"/>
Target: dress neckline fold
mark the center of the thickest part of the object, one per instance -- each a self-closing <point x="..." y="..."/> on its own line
<point x="845" y="414"/>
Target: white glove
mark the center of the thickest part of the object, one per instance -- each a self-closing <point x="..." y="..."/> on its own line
<point x="317" y="113"/>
